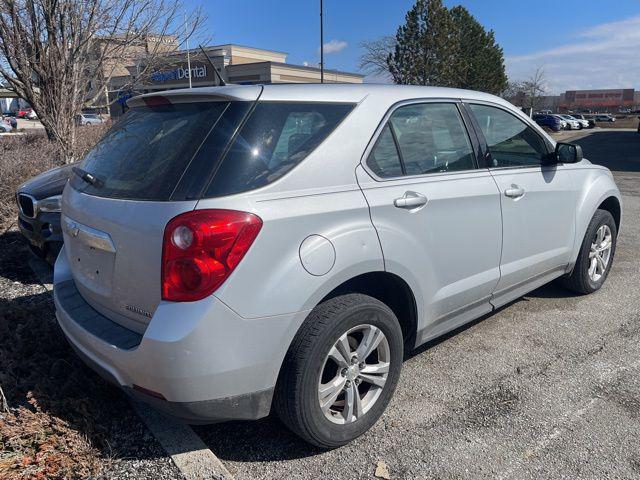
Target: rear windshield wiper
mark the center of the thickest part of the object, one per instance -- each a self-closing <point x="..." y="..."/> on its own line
<point x="88" y="177"/>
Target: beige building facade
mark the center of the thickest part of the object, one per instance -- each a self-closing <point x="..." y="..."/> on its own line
<point x="236" y="64"/>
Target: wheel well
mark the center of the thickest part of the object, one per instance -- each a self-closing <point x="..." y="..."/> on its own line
<point x="612" y="205"/>
<point x="391" y="290"/>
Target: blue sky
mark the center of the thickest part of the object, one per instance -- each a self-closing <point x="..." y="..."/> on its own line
<point x="579" y="44"/>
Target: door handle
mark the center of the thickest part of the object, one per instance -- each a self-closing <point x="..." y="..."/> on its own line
<point x="411" y="201"/>
<point x="515" y="191"/>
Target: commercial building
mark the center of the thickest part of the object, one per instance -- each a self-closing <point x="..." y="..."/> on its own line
<point x="234" y="63"/>
<point x="608" y="100"/>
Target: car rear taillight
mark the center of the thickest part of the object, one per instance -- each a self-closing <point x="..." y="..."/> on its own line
<point x="200" y="250"/>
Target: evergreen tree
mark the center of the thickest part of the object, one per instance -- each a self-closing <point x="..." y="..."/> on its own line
<point x="479" y="59"/>
<point x="425" y="46"/>
<point x="450" y="48"/>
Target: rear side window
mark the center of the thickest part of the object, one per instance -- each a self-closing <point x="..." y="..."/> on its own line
<point x="384" y="159"/>
<point x="275" y="138"/>
<point x="144" y="155"/>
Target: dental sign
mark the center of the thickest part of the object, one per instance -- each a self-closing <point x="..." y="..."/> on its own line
<point x="198" y="72"/>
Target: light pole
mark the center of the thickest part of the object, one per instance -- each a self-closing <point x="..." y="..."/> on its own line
<point x="321" y="46"/>
<point x="188" y="53"/>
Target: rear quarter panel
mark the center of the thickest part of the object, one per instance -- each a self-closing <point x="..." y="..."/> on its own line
<point x="271" y="280"/>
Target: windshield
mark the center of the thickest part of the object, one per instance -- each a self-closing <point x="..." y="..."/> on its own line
<point x="145" y="153"/>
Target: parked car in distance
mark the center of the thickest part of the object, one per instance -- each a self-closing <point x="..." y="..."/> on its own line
<point x="604" y="118"/>
<point x="584" y="123"/>
<point x="27" y="113"/>
<point x="548" y="121"/>
<point x="572" y="123"/>
<point x="39" y="211"/>
<point x="591" y="123"/>
<point x="5" y="127"/>
<point x="563" y="123"/>
<point x="284" y="245"/>
<point x="89" y="119"/>
<point x="11" y="121"/>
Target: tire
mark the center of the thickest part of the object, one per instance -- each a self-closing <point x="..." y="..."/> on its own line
<point x="297" y="400"/>
<point x="580" y="281"/>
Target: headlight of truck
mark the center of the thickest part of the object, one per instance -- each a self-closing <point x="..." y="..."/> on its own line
<point x="49" y="204"/>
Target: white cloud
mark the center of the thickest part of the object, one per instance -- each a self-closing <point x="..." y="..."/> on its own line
<point x="604" y="56"/>
<point x="334" y="46"/>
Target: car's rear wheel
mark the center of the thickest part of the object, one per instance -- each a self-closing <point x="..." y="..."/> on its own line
<point x="340" y="371"/>
<point x="596" y="255"/>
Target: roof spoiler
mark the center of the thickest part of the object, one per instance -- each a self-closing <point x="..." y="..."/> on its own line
<point x="230" y="93"/>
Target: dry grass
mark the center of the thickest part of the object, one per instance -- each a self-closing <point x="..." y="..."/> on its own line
<point x="25" y="156"/>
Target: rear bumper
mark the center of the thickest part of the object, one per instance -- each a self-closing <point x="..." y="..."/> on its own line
<point x="250" y="406"/>
<point x="202" y="361"/>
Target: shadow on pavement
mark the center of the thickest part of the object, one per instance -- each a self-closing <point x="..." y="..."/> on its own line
<point x="264" y="440"/>
<point x="619" y="151"/>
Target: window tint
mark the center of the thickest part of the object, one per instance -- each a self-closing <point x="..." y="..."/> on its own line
<point x="275" y="138"/>
<point x="384" y="159"/>
<point x="432" y="138"/>
<point x="144" y="155"/>
<point x="512" y="142"/>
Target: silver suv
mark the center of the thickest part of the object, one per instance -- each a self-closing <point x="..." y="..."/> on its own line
<point x="236" y="249"/>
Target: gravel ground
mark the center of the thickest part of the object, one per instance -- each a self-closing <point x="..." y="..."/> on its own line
<point x="547" y="387"/>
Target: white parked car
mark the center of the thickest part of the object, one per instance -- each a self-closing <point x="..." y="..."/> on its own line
<point x="572" y="123"/>
<point x="584" y="123"/>
<point x="89" y="119"/>
<point x="232" y="249"/>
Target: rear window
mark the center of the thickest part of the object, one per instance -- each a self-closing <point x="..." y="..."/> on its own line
<point x="275" y="138"/>
<point x="144" y="155"/>
<point x="187" y="151"/>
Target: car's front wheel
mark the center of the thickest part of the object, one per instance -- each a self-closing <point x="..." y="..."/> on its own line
<point x="340" y="371"/>
<point x="596" y="255"/>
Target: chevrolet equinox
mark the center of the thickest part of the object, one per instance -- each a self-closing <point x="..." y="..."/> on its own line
<point x="233" y="250"/>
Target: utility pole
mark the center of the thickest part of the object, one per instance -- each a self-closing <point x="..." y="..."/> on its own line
<point x="321" y="46"/>
<point x="186" y="32"/>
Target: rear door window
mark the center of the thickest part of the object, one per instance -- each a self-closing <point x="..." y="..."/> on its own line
<point x="276" y="137"/>
<point x="422" y="138"/>
<point x="144" y="155"/>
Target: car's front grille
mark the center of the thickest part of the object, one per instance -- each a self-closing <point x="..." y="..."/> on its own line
<point x="27" y="207"/>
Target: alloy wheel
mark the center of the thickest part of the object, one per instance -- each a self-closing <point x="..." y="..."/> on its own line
<point x="354" y="374"/>
<point x="600" y="253"/>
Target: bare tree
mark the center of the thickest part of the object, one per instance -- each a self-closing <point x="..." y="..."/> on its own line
<point x="527" y="93"/>
<point x="60" y="55"/>
<point x="376" y="52"/>
<point x="534" y="87"/>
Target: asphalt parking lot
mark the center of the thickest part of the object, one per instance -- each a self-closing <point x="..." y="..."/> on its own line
<point x="547" y="387"/>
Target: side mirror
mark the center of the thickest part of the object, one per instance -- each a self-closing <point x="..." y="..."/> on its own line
<point x="568" y="152"/>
